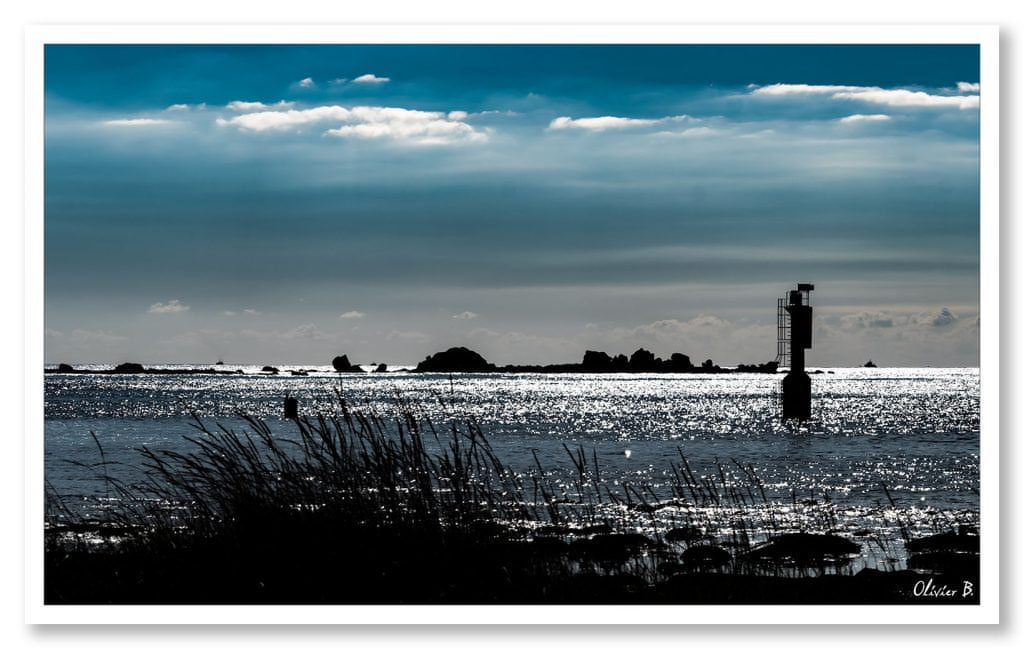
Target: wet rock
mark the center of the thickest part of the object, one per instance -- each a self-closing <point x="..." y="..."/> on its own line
<point x="685" y="535"/>
<point x="964" y="540"/>
<point x="64" y="367"/>
<point x="614" y="548"/>
<point x="705" y="557"/>
<point x="804" y="548"/>
<point x="270" y="369"/>
<point x="383" y="367"/>
<point x="946" y="563"/>
<point x="130" y="368"/>
<point x="669" y="568"/>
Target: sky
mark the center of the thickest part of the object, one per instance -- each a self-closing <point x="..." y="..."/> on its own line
<point x="286" y="204"/>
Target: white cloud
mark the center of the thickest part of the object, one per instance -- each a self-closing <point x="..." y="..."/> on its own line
<point x="465" y="315"/>
<point x="696" y="131"/>
<point x="306" y="83"/>
<point x="909" y="98"/>
<point x="282" y="120"/>
<point x="458" y="115"/>
<point x="251" y="312"/>
<point x="367" y="122"/>
<point x="414" y="126"/>
<point x="173" y="306"/>
<point x="138" y="121"/>
<point x="610" y="122"/>
<point x="370" y="78"/>
<point x="598" y="123"/>
<point x="177" y="107"/>
<point x="352" y="315"/>
<point x="230" y="313"/>
<point x="777" y="89"/>
<point x="964" y="86"/>
<point x="874" y="94"/>
<point x="242" y="106"/>
<point x="851" y="119"/>
<point x="337" y="82"/>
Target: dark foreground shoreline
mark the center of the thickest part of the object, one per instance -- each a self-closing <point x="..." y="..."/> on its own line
<point x="304" y="567"/>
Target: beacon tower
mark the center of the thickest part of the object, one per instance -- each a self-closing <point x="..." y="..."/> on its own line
<point x="794" y="323"/>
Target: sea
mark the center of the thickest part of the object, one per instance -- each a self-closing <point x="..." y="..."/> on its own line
<point x="888" y="452"/>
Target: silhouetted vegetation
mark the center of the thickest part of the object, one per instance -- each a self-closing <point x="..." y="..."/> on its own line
<point x="358" y="508"/>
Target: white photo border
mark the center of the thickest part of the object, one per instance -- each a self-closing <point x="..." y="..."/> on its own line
<point x="985" y="36"/>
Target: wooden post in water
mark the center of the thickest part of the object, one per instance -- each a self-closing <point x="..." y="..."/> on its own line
<point x="291" y="407"/>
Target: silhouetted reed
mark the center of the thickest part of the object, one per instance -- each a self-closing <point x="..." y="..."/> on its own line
<point x="361" y="508"/>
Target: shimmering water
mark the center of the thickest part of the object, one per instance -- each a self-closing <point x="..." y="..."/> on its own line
<point x="914" y="430"/>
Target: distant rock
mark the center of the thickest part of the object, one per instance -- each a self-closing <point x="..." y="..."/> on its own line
<point x="642" y="361"/>
<point x="130" y="368"/>
<point x="679" y="363"/>
<point x="383" y="367"/>
<point x="64" y="367"/>
<point x="456" y="359"/>
<point x="271" y="369"/>
<point x="870" y="363"/>
<point x="596" y="362"/>
<point x="342" y="364"/>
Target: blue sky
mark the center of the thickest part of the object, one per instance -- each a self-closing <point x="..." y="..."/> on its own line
<point x="276" y="204"/>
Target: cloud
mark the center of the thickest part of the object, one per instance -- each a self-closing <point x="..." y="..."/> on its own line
<point x="458" y="115"/>
<point x="944" y="318"/>
<point x="177" y="107"/>
<point x="366" y="122"/>
<point x="609" y="122"/>
<point x="282" y="120"/>
<point x="352" y="315"/>
<point x="777" y="89"/>
<point x="306" y="331"/>
<point x="173" y="306"/>
<point x="909" y="98"/>
<point x="138" y="121"/>
<point x="873" y="94"/>
<point x="230" y="313"/>
<point x="867" y="320"/>
<point x="414" y="126"/>
<point x="85" y="336"/>
<point x="336" y="82"/>
<point x="466" y="315"/>
<point x="251" y="312"/>
<point x="964" y="86"/>
<point x="696" y="131"/>
<point x="370" y="78"/>
<point x="306" y="83"/>
<point x="408" y="336"/>
<point x="852" y="119"/>
<point x="242" y="106"/>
